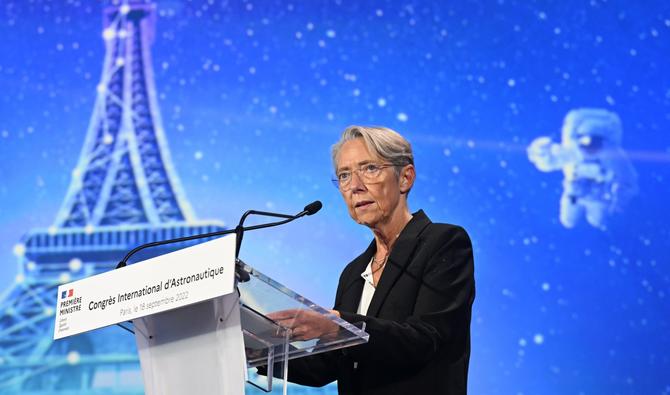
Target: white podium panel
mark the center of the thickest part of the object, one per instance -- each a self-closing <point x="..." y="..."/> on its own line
<point x="198" y="349"/>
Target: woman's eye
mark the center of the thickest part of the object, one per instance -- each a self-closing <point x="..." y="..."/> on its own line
<point x="343" y="176"/>
<point x="371" y="168"/>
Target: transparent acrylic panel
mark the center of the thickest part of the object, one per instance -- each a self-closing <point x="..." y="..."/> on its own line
<point x="264" y="339"/>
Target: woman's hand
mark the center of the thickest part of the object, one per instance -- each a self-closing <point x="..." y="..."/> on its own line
<point x="306" y="324"/>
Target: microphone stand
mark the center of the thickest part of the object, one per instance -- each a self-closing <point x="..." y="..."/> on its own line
<point x="239" y="230"/>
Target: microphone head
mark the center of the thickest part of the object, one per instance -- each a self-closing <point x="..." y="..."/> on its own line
<point x="313" y="207"/>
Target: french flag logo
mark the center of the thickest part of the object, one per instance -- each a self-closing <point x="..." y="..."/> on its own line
<point x="67" y="294"/>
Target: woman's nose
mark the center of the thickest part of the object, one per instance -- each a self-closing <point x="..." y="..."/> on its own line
<point x="357" y="183"/>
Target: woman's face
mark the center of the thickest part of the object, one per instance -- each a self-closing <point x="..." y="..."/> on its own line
<point x="370" y="202"/>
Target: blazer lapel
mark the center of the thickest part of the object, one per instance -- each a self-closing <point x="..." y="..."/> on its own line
<point x="400" y="257"/>
<point x="351" y="295"/>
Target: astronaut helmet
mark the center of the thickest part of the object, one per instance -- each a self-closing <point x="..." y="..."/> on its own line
<point x="591" y="130"/>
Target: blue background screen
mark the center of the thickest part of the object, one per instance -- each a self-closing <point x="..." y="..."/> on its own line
<point x="252" y="95"/>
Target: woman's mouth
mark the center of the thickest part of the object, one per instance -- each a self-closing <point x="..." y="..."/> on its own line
<point x="362" y="204"/>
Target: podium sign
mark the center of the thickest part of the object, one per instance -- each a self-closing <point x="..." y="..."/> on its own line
<point x="166" y="282"/>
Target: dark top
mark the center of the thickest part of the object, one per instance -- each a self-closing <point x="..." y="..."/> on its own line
<point x="418" y="319"/>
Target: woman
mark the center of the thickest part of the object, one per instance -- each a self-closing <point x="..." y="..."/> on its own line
<point x="413" y="286"/>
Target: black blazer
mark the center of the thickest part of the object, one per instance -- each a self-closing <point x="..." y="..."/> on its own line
<point x="418" y="319"/>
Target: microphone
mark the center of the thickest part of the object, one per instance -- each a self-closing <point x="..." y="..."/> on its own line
<point x="310" y="209"/>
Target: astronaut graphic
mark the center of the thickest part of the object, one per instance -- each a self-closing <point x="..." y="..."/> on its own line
<point x="598" y="176"/>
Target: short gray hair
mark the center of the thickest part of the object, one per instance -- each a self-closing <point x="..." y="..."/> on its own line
<point x="381" y="141"/>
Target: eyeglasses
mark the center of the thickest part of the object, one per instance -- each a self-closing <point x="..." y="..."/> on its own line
<point x="367" y="172"/>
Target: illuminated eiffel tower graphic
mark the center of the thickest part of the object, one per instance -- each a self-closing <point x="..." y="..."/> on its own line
<point x="124" y="192"/>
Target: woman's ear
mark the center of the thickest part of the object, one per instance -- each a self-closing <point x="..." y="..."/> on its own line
<point x="407" y="177"/>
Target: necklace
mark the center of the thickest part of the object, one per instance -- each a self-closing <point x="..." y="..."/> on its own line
<point x="380" y="265"/>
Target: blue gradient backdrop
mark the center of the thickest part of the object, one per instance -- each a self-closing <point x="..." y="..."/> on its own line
<point x="253" y="93"/>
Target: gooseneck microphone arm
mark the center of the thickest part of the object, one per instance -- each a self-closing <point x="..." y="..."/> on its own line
<point x="310" y="209"/>
<point x="239" y="229"/>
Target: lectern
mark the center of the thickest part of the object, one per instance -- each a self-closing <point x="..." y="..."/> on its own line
<point x="197" y="329"/>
